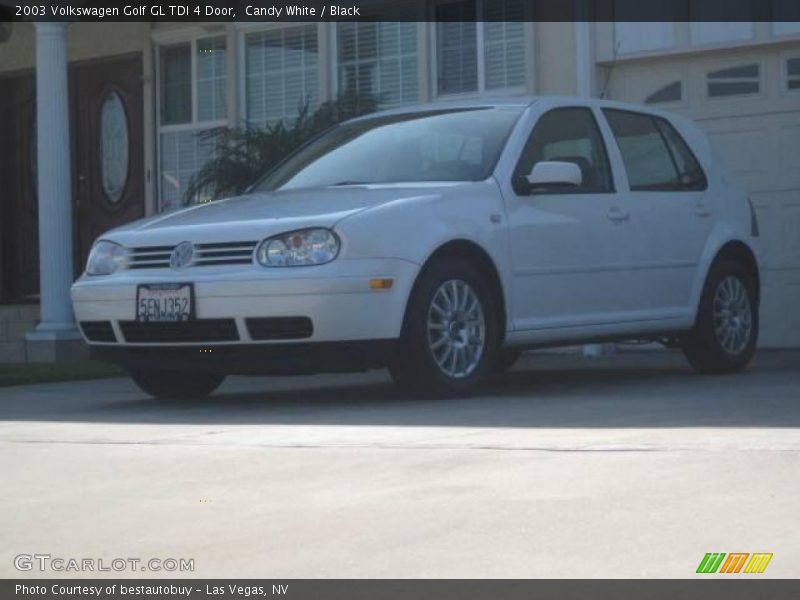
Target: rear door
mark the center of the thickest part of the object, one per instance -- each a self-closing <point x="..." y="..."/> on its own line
<point x="670" y="211"/>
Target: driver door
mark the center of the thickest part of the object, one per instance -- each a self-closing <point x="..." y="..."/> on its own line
<point x="570" y="246"/>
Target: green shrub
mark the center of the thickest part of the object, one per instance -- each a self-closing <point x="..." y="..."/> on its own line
<point x="243" y="154"/>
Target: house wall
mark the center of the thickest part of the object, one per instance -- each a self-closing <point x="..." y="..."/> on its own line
<point x="85" y="41"/>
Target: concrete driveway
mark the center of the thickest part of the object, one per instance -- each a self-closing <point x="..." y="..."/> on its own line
<point x="622" y="466"/>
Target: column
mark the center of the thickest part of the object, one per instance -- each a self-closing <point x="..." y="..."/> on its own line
<point x="55" y="192"/>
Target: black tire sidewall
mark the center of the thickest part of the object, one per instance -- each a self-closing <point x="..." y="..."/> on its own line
<point x="176" y="385"/>
<point x="414" y="366"/>
<point x="702" y="346"/>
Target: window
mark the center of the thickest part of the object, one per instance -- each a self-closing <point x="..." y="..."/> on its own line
<point x="734" y="81"/>
<point x="378" y="59"/>
<point x="570" y="135"/>
<point x="793" y="73"/>
<point x="436" y="145"/>
<point x="672" y="92"/>
<point x="176" y="84"/>
<point x="656" y="157"/>
<point x="504" y="44"/>
<point x="281" y="73"/>
<point x="212" y="103"/>
<point x="690" y="174"/>
<point x="477" y="56"/>
<point x="635" y="30"/>
<point x="632" y="37"/>
<point x="192" y="100"/>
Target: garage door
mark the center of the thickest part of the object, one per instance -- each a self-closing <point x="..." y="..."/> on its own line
<point x="748" y="101"/>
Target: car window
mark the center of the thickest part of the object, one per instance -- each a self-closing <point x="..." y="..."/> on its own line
<point x="690" y="172"/>
<point x="440" y="145"/>
<point x="570" y="135"/>
<point x="647" y="159"/>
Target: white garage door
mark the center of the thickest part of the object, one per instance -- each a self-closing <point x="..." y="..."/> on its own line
<point x="748" y="101"/>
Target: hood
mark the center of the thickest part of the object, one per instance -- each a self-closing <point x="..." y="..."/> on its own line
<point x="259" y="215"/>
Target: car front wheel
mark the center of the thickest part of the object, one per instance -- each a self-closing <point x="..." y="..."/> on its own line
<point x="724" y="336"/>
<point x="176" y="385"/>
<point x="451" y="331"/>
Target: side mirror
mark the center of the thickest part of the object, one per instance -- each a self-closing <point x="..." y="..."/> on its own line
<point x="552" y="174"/>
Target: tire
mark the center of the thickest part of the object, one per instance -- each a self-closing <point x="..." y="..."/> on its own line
<point x="724" y="337"/>
<point x="506" y="359"/>
<point x="176" y="385"/>
<point x="451" y="306"/>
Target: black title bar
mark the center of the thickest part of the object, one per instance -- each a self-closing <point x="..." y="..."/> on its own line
<point x="399" y="10"/>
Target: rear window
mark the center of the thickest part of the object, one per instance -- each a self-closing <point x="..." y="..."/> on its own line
<point x="656" y="157"/>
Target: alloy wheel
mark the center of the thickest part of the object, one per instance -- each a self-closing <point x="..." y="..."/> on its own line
<point x="456" y="329"/>
<point x="733" y="319"/>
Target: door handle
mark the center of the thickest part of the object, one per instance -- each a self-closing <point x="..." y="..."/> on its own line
<point x="701" y="210"/>
<point x="616" y="214"/>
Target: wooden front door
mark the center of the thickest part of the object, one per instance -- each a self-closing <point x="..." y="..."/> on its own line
<point x="108" y="148"/>
<point x="19" y="223"/>
<point x="106" y="130"/>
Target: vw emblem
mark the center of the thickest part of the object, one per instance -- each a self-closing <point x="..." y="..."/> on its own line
<point x="182" y="256"/>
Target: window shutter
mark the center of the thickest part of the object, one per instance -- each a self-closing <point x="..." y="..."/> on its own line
<point x="211" y="79"/>
<point x="281" y="73"/>
<point x="378" y="59"/>
<point x="504" y="43"/>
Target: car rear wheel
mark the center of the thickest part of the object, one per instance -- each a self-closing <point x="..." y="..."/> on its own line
<point x="724" y="336"/>
<point x="176" y="385"/>
<point x="451" y="331"/>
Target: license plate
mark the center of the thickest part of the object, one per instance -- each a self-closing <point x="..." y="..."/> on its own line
<point x="159" y="302"/>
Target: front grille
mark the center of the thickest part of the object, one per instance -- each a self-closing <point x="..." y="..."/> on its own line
<point x="206" y="255"/>
<point x="200" y="330"/>
<point x="280" y="328"/>
<point x="98" y="331"/>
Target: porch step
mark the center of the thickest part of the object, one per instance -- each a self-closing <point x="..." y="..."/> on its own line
<point x="19" y="312"/>
<point x="15" y="322"/>
<point x="12" y="352"/>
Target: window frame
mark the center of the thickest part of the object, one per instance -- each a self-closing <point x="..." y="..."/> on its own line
<point x="480" y="49"/>
<point x="516" y="174"/>
<point x="680" y="101"/>
<point x="757" y="62"/>
<point x="194" y="125"/>
<point x="245" y="29"/>
<point x="785" y="73"/>
<point x="335" y="62"/>
<point x="656" y="119"/>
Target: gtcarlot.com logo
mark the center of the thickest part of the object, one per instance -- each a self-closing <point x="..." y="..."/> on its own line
<point x="47" y="562"/>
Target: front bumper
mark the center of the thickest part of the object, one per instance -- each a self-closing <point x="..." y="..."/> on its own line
<point x="337" y="298"/>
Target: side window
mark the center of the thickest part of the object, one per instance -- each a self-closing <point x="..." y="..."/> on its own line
<point x="647" y="159"/>
<point x="690" y="172"/>
<point x="656" y="157"/>
<point x="570" y="135"/>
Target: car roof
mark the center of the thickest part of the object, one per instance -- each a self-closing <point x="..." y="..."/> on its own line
<point x="520" y="101"/>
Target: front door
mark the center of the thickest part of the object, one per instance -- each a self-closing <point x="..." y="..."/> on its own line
<point x="19" y="234"/>
<point x="108" y="148"/>
<point x="569" y="247"/>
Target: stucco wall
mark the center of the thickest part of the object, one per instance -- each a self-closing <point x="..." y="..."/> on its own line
<point x="85" y="41"/>
<point x="555" y="58"/>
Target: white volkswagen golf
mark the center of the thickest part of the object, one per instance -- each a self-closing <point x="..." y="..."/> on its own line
<point x="439" y="241"/>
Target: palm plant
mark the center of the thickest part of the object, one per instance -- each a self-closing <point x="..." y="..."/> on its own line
<point x="244" y="153"/>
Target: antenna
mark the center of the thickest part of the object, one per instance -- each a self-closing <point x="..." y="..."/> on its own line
<point x="610" y="70"/>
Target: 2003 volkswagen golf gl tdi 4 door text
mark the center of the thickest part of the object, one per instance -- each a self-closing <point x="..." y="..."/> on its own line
<point x="439" y="241"/>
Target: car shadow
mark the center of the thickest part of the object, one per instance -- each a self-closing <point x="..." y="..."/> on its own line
<point x="544" y="391"/>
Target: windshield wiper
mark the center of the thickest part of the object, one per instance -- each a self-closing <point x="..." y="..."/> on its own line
<point x="348" y="182"/>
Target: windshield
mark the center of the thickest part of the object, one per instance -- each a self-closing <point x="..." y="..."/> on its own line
<point x="442" y="145"/>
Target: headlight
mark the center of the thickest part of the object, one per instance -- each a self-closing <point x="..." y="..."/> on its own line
<point x="105" y="258"/>
<point x="299" y="248"/>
